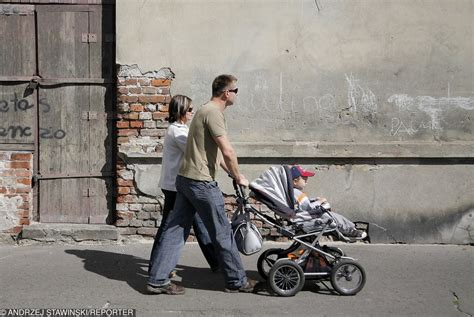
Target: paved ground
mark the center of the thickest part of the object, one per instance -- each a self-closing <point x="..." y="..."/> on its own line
<point x="402" y="280"/>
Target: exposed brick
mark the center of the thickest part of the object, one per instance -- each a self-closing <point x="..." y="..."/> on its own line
<point x="24" y="221"/>
<point x="127" y="231"/>
<point x="136" y="223"/>
<point x="122" y="140"/>
<point x="131" y="81"/>
<point x="163" y="90"/>
<point x="123" y="182"/>
<point x="163" y="108"/>
<point x="123" y="190"/>
<point x="149" y="90"/>
<point x="154" y="99"/>
<point x="149" y="223"/>
<point x="149" y="124"/>
<point x="126" y="199"/>
<point x="152" y="132"/>
<point x="123" y="124"/>
<point x="23" y="173"/>
<point x="143" y="215"/>
<point x="122" y="90"/>
<point x="127" y="132"/>
<point x="20" y="165"/>
<point x="127" y="98"/>
<point x="160" y="82"/>
<point x="144" y="81"/>
<point x="132" y="116"/>
<point x="158" y="115"/>
<point x="162" y="124"/>
<point x="136" y="124"/>
<point x="23" y="213"/>
<point x="136" y="207"/>
<point x="121" y="207"/>
<point x="3" y="190"/>
<point x="19" y="190"/>
<point x="24" y="181"/>
<point x="151" y="232"/>
<point x="122" y="223"/>
<point x="145" y="116"/>
<point x="138" y="107"/>
<point x="135" y="90"/>
<point x="21" y="156"/>
<point x="125" y="214"/>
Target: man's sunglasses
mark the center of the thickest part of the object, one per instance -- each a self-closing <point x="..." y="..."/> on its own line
<point x="235" y="91"/>
<point x="190" y="109"/>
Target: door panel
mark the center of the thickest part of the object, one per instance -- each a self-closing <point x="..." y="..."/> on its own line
<point x="17" y="59"/>
<point x="83" y="157"/>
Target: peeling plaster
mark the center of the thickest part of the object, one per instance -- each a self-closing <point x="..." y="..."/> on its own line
<point x="135" y="71"/>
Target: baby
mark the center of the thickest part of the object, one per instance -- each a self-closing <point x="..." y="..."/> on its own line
<point x="308" y="209"/>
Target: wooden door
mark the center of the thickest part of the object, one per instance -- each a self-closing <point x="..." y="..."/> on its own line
<point x="76" y="149"/>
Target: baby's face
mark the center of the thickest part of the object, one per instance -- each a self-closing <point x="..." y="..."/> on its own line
<point x="300" y="182"/>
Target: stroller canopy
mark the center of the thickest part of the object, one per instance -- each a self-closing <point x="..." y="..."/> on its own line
<point x="274" y="188"/>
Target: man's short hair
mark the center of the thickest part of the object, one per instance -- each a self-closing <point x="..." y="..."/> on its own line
<point x="221" y="83"/>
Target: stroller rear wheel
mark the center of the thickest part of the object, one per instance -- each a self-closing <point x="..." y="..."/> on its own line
<point x="347" y="277"/>
<point x="266" y="260"/>
<point x="286" y="278"/>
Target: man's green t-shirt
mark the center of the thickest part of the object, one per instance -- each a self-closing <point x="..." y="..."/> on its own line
<point x="200" y="161"/>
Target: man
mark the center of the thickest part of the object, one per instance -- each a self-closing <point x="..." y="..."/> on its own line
<point x="199" y="192"/>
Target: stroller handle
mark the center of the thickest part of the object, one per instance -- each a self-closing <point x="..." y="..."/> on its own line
<point x="240" y="190"/>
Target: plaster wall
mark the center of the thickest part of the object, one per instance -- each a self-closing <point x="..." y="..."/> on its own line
<point x="376" y="94"/>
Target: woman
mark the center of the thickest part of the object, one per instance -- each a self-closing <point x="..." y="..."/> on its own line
<point x="180" y="112"/>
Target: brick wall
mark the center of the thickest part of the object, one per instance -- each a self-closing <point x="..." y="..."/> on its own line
<point x="142" y="103"/>
<point x="16" y="196"/>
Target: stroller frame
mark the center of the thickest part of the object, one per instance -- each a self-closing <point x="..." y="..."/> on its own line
<point x="287" y="272"/>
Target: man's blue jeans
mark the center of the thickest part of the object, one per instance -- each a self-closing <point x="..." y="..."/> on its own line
<point x="206" y="199"/>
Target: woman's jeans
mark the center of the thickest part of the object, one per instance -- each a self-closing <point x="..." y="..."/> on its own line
<point x="205" y="199"/>
<point x="200" y="232"/>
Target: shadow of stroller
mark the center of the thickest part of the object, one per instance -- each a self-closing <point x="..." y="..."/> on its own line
<point x="115" y="266"/>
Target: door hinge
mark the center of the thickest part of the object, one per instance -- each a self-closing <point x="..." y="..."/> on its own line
<point x="89" y="38"/>
<point x="88" y="192"/>
<point x="89" y="115"/>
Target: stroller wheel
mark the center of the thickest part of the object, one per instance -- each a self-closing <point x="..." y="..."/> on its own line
<point x="266" y="260"/>
<point x="286" y="278"/>
<point x="347" y="277"/>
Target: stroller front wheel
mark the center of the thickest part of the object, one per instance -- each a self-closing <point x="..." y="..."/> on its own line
<point x="347" y="277"/>
<point x="286" y="278"/>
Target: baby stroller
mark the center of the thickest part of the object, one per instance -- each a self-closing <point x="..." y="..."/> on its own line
<point x="305" y="259"/>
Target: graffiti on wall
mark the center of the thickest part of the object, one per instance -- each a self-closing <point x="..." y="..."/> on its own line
<point x="434" y="110"/>
<point x="18" y="131"/>
<point x="284" y="104"/>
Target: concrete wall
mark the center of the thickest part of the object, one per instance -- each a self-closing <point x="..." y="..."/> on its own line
<point x="376" y="95"/>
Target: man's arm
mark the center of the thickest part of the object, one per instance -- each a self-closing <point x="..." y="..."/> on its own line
<point x="230" y="159"/>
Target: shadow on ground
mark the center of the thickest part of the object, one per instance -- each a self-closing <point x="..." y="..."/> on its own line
<point x="134" y="271"/>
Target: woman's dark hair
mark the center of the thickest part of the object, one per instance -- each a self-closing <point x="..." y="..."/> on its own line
<point x="221" y="83"/>
<point x="178" y="107"/>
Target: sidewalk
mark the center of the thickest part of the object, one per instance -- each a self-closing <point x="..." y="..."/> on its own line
<point x="402" y="280"/>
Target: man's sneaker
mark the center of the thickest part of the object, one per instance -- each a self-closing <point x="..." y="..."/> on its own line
<point x="170" y="289"/>
<point x="247" y="288"/>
